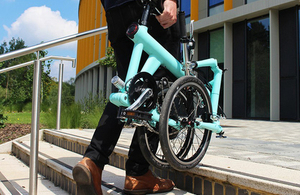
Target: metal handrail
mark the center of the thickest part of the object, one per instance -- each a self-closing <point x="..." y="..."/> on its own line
<point x="34" y="140"/>
<point x="60" y="79"/>
<point x="49" y="44"/>
<point x="73" y="60"/>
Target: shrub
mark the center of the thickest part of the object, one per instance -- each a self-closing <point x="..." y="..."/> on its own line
<point x="109" y="60"/>
<point x="2" y="119"/>
<point x="70" y="116"/>
<point x="92" y="109"/>
<point x="85" y="114"/>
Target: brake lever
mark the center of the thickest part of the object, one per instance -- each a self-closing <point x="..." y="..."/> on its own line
<point x="192" y="30"/>
<point x="157" y="11"/>
<point x="191" y="40"/>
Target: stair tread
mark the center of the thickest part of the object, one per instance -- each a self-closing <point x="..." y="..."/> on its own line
<point x="85" y="135"/>
<point x="14" y="172"/>
<point x="52" y="151"/>
<point x="113" y="178"/>
<point x="220" y="163"/>
<point x="255" y="175"/>
<point x="223" y="168"/>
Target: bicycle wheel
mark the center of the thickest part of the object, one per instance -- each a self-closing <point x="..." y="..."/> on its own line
<point x="187" y="102"/>
<point x="151" y="149"/>
<point x="149" y="140"/>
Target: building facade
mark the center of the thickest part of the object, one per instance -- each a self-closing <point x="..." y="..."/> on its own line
<point x="257" y="41"/>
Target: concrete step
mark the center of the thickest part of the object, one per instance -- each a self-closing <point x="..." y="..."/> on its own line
<point x="56" y="164"/>
<point x="214" y="175"/>
<point x="14" y="176"/>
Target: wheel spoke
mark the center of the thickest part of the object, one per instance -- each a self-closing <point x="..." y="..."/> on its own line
<point x="185" y="102"/>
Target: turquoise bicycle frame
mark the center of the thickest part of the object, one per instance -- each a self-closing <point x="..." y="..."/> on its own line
<point x="159" y="56"/>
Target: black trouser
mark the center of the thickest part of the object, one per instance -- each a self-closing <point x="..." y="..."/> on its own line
<point x="109" y="127"/>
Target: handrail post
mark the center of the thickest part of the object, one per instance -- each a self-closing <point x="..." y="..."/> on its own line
<point x="35" y="118"/>
<point x="61" y="69"/>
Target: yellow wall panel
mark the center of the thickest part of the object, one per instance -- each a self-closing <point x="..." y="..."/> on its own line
<point x="97" y="25"/>
<point x="227" y="5"/>
<point x="91" y="15"/>
<point x="90" y="42"/>
<point x="194" y="10"/>
<point x="103" y="37"/>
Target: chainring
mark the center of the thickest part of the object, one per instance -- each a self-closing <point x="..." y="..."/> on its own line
<point x="138" y="84"/>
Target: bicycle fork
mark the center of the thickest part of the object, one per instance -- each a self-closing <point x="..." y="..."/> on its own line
<point x="188" y="67"/>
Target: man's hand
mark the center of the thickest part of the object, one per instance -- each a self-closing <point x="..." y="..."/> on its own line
<point x="169" y="15"/>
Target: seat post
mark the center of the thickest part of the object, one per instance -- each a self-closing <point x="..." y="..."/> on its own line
<point x="184" y="41"/>
<point x="146" y="13"/>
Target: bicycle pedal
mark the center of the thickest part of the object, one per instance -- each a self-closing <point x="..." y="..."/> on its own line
<point x="135" y="114"/>
<point x="221" y="135"/>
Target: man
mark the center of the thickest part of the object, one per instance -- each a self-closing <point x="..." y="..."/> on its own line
<point x="139" y="179"/>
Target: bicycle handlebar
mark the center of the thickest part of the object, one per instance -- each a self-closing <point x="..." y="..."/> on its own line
<point x="156" y="5"/>
<point x="182" y="23"/>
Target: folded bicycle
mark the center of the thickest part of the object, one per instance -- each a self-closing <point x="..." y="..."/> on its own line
<point x="174" y="120"/>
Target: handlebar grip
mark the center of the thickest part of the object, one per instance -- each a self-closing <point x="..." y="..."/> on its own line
<point x="181" y="17"/>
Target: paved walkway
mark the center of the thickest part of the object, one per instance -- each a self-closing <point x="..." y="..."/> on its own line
<point x="273" y="143"/>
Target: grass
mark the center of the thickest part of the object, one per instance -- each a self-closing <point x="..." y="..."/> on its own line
<point x="71" y="118"/>
<point x="76" y="115"/>
<point x="23" y="118"/>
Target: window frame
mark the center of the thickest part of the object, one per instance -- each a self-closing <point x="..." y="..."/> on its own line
<point x="209" y="7"/>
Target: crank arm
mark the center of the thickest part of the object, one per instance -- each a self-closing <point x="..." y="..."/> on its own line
<point x="143" y="97"/>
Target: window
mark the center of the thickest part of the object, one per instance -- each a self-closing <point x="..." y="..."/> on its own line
<point x="215" y="2"/>
<point x="250" y="1"/>
<point x="215" y="7"/>
<point x="258" y="69"/>
<point x="216" y="46"/>
<point x="299" y="57"/>
<point x="185" y="5"/>
<point x="216" y="50"/>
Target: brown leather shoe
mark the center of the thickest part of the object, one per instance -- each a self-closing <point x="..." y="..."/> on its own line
<point x="147" y="183"/>
<point x="88" y="177"/>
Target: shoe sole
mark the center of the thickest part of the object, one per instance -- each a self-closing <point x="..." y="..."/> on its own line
<point x="84" y="181"/>
<point x="143" y="192"/>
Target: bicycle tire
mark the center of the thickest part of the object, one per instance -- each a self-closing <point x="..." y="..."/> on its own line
<point x="187" y="99"/>
<point x="150" y="148"/>
<point x="149" y="140"/>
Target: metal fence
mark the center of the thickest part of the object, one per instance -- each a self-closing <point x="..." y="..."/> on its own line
<point x="34" y="141"/>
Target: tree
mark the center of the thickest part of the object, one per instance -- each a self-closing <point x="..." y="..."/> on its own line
<point x="68" y="93"/>
<point x="109" y="60"/>
<point x="18" y="83"/>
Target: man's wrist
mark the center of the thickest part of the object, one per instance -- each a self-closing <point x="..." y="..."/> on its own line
<point x="176" y="1"/>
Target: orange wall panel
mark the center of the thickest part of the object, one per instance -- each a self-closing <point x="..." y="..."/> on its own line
<point x="97" y="25"/>
<point x="91" y="15"/>
<point x="103" y="37"/>
<point x="194" y="10"/>
<point x="227" y="5"/>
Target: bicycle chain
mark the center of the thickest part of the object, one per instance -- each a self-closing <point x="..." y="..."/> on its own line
<point x="146" y="124"/>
